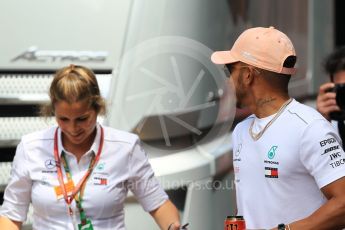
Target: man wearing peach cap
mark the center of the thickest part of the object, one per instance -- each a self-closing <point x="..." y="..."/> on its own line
<point x="289" y="164"/>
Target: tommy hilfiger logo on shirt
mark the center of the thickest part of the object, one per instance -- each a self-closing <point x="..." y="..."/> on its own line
<point x="100" y="181"/>
<point x="271" y="172"/>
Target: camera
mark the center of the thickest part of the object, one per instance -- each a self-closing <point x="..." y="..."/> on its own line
<point x="339" y="90"/>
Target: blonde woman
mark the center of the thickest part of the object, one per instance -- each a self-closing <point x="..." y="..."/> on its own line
<point x="77" y="174"/>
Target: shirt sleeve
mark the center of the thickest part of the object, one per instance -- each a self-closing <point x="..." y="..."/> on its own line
<point x="17" y="194"/>
<point x="142" y="182"/>
<point x="321" y="153"/>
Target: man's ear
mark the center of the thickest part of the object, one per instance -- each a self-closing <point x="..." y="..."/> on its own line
<point x="247" y="76"/>
<point x="252" y="76"/>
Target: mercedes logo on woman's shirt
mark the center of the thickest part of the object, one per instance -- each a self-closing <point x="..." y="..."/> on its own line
<point x="50" y="164"/>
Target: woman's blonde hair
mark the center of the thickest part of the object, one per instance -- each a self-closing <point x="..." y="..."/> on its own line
<point x="74" y="83"/>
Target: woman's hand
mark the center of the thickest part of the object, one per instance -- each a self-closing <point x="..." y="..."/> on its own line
<point x="8" y="224"/>
<point x="174" y="226"/>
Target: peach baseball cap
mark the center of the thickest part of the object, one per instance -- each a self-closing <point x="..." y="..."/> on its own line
<point x="265" y="48"/>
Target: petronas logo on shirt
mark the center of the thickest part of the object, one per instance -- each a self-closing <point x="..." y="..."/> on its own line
<point x="272" y="152"/>
<point x="100" y="166"/>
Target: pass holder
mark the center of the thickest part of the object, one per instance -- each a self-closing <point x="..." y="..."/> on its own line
<point x="86" y="226"/>
<point x="69" y="186"/>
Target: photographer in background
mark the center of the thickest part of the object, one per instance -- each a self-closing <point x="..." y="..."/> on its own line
<point x="331" y="98"/>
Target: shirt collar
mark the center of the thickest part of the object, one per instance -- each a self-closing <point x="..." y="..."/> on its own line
<point x="94" y="147"/>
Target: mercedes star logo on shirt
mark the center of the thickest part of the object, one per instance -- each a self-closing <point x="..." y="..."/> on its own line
<point x="50" y="163"/>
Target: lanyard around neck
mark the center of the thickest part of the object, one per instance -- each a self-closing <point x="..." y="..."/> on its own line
<point x="77" y="188"/>
<point x="77" y="197"/>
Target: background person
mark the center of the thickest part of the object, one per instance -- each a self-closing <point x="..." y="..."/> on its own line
<point x="78" y="173"/>
<point x="289" y="167"/>
<point x="326" y="102"/>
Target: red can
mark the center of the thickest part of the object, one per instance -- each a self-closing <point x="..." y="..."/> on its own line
<point x="234" y="223"/>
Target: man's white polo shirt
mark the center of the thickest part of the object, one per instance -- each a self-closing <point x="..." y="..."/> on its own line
<point x="279" y="176"/>
<point x="123" y="165"/>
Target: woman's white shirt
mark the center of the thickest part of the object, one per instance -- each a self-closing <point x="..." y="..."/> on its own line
<point x="123" y="166"/>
